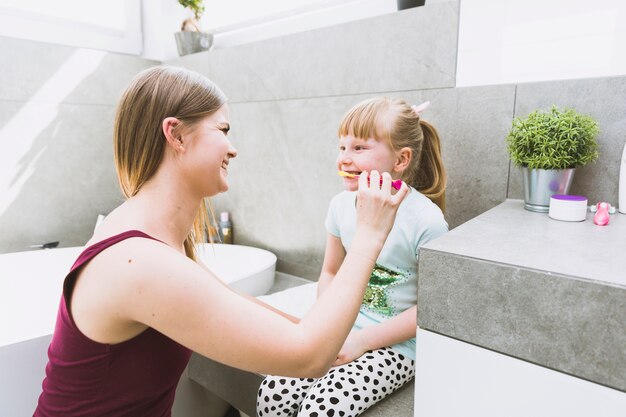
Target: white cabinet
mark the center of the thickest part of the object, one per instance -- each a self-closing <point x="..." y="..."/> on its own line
<point x="455" y="378"/>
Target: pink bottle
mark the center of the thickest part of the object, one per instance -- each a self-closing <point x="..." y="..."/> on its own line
<point x="602" y="214"/>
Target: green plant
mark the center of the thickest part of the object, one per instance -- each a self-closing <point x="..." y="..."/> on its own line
<point x="553" y="139"/>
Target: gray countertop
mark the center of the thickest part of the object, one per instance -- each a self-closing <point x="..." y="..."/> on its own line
<point x="509" y="234"/>
<point x="545" y="291"/>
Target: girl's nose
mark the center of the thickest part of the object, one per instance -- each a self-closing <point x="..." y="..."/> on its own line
<point x="232" y="152"/>
<point x="344" y="158"/>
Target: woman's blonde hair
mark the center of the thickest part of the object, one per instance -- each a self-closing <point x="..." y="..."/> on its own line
<point x="138" y="139"/>
<point x="394" y="121"/>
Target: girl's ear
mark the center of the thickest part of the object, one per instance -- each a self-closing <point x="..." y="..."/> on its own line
<point x="171" y="129"/>
<point x="403" y="160"/>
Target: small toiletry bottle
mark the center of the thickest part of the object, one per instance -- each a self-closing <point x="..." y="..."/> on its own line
<point x="225" y="228"/>
<point x="622" y="183"/>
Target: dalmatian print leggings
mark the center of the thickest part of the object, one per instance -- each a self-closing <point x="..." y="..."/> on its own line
<point x="345" y="391"/>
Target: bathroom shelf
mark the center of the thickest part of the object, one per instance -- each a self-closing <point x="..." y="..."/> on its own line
<point x="548" y="292"/>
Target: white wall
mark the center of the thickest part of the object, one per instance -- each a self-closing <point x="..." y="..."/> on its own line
<point x="511" y="41"/>
<point x="114" y="25"/>
<point x="238" y="22"/>
<point x="160" y="20"/>
<point x="500" y="41"/>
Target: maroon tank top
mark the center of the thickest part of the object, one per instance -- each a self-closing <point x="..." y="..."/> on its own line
<point x="135" y="378"/>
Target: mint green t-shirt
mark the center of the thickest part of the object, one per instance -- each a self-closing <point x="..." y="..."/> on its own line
<point x="392" y="287"/>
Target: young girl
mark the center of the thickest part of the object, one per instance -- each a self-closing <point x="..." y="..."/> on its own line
<point x="135" y="304"/>
<point x="378" y="356"/>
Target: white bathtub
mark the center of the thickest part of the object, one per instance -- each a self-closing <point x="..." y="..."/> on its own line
<point x="30" y="290"/>
<point x="31" y="283"/>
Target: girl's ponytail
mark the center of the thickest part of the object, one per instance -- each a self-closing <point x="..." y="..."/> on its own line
<point x="429" y="176"/>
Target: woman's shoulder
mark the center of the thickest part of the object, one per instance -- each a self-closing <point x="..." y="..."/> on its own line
<point x="132" y="262"/>
<point x="139" y="248"/>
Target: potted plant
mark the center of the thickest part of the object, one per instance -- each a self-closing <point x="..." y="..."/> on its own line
<point x="191" y="38"/>
<point x="548" y="146"/>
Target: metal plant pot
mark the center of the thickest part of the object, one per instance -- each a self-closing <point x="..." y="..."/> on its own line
<point x="541" y="184"/>
<point x="192" y="42"/>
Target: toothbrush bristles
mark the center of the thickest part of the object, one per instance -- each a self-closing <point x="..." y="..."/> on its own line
<point x="346" y="174"/>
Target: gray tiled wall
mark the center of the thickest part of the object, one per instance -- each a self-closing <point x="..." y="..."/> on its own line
<point x="288" y="94"/>
<point x="69" y="166"/>
<point x="410" y="50"/>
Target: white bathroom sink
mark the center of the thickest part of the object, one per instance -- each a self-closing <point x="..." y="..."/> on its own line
<point x="244" y="268"/>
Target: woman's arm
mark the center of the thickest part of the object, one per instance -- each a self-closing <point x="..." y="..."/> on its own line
<point x="289" y="317"/>
<point x="333" y="258"/>
<point x="395" y="330"/>
<point x="151" y="284"/>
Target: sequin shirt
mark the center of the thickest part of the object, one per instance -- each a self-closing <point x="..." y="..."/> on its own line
<point x="392" y="287"/>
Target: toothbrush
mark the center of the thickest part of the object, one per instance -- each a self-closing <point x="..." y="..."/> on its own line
<point x="397" y="184"/>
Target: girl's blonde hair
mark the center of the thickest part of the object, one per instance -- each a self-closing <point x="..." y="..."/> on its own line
<point x="394" y="121"/>
<point x="138" y="139"/>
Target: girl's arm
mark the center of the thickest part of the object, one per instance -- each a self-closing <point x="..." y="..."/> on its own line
<point x="333" y="258"/>
<point x="395" y="330"/>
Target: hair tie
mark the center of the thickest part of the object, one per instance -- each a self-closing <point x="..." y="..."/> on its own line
<point x="420" y="108"/>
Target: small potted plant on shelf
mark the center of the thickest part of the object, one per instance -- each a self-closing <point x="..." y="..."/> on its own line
<point x="191" y="38"/>
<point x="549" y="146"/>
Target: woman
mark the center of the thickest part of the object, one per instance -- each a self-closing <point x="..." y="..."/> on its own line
<point x="135" y="304"/>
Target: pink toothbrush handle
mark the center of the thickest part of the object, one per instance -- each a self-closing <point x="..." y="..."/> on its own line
<point x="397" y="184"/>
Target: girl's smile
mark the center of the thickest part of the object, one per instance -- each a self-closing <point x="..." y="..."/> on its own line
<point x="357" y="155"/>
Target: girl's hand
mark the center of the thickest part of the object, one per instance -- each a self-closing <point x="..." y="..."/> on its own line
<point x="353" y="348"/>
<point x="376" y="206"/>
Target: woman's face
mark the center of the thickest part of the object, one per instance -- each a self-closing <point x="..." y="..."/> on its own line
<point x="208" y="151"/>
<point x="357" y="155"/>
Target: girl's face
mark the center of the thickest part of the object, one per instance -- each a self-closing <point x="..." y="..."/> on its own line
<point x="357" y="154"/>
<point x="208" y="151"/>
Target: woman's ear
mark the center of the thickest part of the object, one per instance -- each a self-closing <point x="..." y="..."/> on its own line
<point x="171" y="130"/>
<point x="403" y="159"/>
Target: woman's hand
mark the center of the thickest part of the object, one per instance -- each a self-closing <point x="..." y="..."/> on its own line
<point x="376" y="206"/>
<point x="353" y="348"/>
